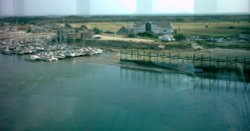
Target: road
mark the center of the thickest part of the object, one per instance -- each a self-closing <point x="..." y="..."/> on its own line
<point x="119" y="38"/>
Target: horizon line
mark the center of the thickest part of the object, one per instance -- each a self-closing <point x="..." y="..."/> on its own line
<point x="158" y="14"/>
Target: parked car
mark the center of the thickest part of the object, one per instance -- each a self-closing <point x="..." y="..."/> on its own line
<point x="166" y="38"/>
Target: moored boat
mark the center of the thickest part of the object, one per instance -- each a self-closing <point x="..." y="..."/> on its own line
<point x="33" y="58"/>
<point x="97" y="51"/>
<point x="7" y="51"/>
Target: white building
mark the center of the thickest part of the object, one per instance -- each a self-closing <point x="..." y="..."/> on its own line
<point x="154" y="27"/>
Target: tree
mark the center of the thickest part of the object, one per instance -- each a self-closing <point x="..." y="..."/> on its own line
<point x="131" y="35"/>
<point x="84" y="27"/>
<point x="97" y="31"/>
<point x="148" y="34"/>
<point x="68" y="26"/>
<point x="180" y="37"/>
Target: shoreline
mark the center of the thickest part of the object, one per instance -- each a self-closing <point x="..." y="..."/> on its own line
<point x="111" y="56"/>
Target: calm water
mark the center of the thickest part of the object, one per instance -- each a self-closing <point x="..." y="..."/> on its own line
<point x="70" y="95"/>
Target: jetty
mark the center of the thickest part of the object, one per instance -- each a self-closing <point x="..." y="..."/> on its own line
<point x="186" y="62"/>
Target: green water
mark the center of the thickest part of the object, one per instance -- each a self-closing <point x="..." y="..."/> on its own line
<point x="76" y="95"/>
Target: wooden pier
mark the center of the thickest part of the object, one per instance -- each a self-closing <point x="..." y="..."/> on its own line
<point x="187" y="62"/>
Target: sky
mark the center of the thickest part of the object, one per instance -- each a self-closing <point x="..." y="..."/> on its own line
<point x="113" y="6"/>
<point x="121" y="7"/>
<point x="173" y="6"/>
<point x="231" y="5"/>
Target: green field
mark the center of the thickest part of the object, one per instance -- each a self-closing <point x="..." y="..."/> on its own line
<point x="212" y="28"/>
<point x="105" y="26"/>
<point x="186" y="28"/>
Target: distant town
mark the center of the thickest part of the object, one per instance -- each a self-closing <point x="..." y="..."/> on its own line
<point x="145" y="32"/>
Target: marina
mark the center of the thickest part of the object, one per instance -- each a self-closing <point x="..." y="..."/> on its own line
<point x="45" y="52"/>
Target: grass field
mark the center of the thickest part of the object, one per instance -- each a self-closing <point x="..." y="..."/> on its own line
<point x="186" y="28"/>
<point x="213" y="28"/>
<point x="105" y="26"/>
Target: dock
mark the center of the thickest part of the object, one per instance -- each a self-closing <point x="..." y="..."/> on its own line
<point x="186" y="62"/>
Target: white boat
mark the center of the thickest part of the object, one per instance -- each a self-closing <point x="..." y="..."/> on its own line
<point x="27" y="51"/>
<point x="69" y="54"/>
<point x="7" y="51"/>
<point x="40" y="48"/>
<point x="60" y="56"/>
<point x="50" y="59"/>
<point x="33" y="58"/>
<point x="97" y="51"/>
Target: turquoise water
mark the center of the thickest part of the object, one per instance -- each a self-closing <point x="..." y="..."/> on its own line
<point x="76" y="95"/>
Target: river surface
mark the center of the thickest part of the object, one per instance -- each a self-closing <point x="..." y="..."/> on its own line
<point x="78" y="95"/>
